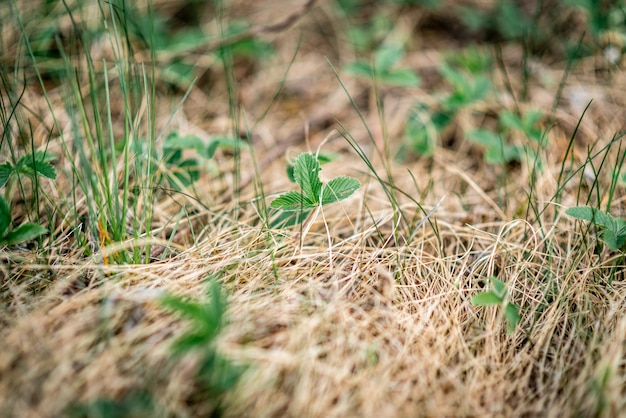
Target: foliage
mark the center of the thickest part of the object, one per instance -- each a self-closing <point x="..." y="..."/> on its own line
<point x="23" y="233"/>
<point x="313" y="193"/>
<point x="382" y="69"/>
<point x="614" y="229"/>
<point x="498" y="295"/>
<point x="32" y="165"/>
<point x="186" y="171"/>
<point x="498" y="151"/>
<point x="216" y="374"/>
<point x="468" y="76"/>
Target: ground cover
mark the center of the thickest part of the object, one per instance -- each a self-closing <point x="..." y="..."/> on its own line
<point x="316" y="208"/>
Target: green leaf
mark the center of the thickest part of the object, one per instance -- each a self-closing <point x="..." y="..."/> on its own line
<point x="36" y="164"/>
<point x="23" y="233"/>
<point x="499" y="288"/>
<point x="6" y="170"/>
<point x="386" y="56"/>
<point x="359" y="69"/>
<point x="339" y="188"/>
<point x="5" y="217"/>
<point x="306" y="173"/>
<point x="511" y="313"/>
<point x="175" y="141"/>
<point x="485" y="138"/>
<point x="401" y="77"/>
<point x="211" y="149"/>
<point x="486" y="299"/>
<point x="502" y="154"/>
<point x="292" y="201"/>
<point x="592" y="215"/>
<point x="285" y="219"/>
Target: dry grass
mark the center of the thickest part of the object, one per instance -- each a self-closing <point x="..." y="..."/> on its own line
<point x="352" y="319"/>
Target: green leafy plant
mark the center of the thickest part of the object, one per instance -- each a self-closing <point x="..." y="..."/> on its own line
<point x="382" y="68"/>
<point x="468" y="75"/>
<point x="498" y="295"/>
<point x="216" y="374"/>
<point x="614" y="229"/>
<point x="23" y="233"/>
<point x="184" y="171"/>
<point x="31" y="165"/>
<point x="498" y="151"/>
<point x="314" y="194"/>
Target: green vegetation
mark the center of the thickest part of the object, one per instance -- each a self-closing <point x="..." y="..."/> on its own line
<point x="139" y="148"/>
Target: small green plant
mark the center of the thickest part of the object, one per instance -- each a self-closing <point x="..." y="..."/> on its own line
<point x="23" y="233"/>
<point x="216" y="374"/>
<point x="499" y="295"/>
<point x="314" y="194"/>
<point x="186" y="171"/>
<point x="31" y="165"/>
<point x="468" y="75"/>
<point x="498" y="151"/>
<point x="614" y="229"/>
<point x="382" y="68"/>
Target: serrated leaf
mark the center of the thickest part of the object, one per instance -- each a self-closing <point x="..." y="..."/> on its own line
<point x="592" y="215"/>
<point x="6" y="170"/>
<point x="339" y="188"/>
<point x="401" y="77"/>
<point x="292" y="201"/>
<point x="5" y="216"/>
<point x="306" y="173"/>
<point x="23" y="233"/>
<point x="511" y="313"/>
<point x="486" y="299"/>
<point x="29" y="166"/>
<point x="290" y="174"/>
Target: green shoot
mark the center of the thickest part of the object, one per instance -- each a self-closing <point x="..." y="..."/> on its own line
<point x="314" y="194"/>
<point x="498" y="296"/>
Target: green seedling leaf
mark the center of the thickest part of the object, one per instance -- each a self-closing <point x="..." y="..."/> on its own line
<point x="39" y="163"/>
<point x="322" y="157"/>
<point x="285" y="219"/>
<point x="590" y="214"/>
<point x="175" y="141"/>
<point x="293" y="201"/>
<point x="403" y="77"/>
<point x="6" y="170"/>
<point x="225" y="142"/>
<point x="5" y="217"/>
<point x="499" y="288"/>
<point x="497" y="295"/>
<point x="498" y="152"/>
<point x="486" y="299"/>
<point x="484" y="137"/>
<point x="314" y="194"/>
<point x="306" y="173"/>
<point x="511" y="313"/>
<point x="338" y="189"/>
<point x="359" y="69"/>
<point x="386" y="57"/>
<point x="23" y="233"/>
